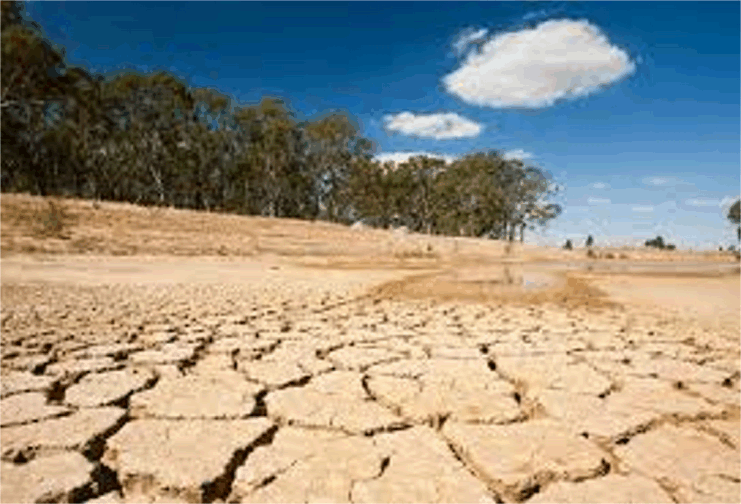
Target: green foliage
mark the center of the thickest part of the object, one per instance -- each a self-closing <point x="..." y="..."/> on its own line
<point x="568" y="245"/>
<point x="590" y="241"/>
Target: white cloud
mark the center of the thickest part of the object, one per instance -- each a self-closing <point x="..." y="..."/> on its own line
<point x="600" y="185"/>
<point x="468" y="37"/>
<point x="535" y="67"/>
<point x="643" y="209"/>
<point x="518" y="154"/>
<point x="437" y="126"/>
<point x="657" y="181"/>
<point x="700" y="202"/>
<point x="400" y="157"/>
<point x="663" y="181"/>
<point x="597" y="201"/>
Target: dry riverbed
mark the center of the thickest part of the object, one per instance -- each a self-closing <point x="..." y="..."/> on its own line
<point x="293" y="378"/>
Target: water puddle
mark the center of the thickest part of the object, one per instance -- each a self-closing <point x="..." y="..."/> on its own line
<point x="507" y="276"/>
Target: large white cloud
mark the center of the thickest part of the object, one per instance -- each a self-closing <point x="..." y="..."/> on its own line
<point x="437" y="126"/>
<point x="533" y="68"/>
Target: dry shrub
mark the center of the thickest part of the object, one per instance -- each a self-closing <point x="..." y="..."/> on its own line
<point x="610" y="255"/>
<point x="52" y="220"/>
<point x="417" y="253"/>
<point x="591" y="254"/>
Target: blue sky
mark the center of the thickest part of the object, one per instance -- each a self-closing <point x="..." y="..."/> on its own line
<point x="632" y="106"/>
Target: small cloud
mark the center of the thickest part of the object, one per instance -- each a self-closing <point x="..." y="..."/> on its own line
<point x="467" y="38"/>
<point x="656" y="181"/>
<point x="700" y="202"/>
<point x="662" y="181"/>
<point x="401" y="157"/>
<point x="643" y="209"/>
<point x="597" y="201"/>
<point x="600" y="185"/>
<point x="518" y="154"/>
<point x="437" y="126"/>
<point x="535" y="67"/>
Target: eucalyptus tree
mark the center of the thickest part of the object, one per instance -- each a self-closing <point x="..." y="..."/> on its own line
<point x="333" y="144"/>
<point x="29" y="86"/>
<point x="146" y="109"/>
<point x="421" y="190"/>
<point x="271" y="170"/>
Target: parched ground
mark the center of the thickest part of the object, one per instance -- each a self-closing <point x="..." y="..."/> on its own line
<point x="212" y="358"/>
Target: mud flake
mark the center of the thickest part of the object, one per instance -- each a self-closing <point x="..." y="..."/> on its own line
<point x="334" y="400"/>
<point x="27" y="407"/>
<point x="56" y="478"/>
<point x="17" y="382"/>
<point x="513" y="454"/>
<point x="194" y="396"/>
<point x="688" y="458"/>
<point x="464" y="389"/>
<point x="104" y="388"/>
<point x="178" y="458"/>
<point x="612" y="488"/>
<point x="421" y="468"/>
<point x="77" y="431"/>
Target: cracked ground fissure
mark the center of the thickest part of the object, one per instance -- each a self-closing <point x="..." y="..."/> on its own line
<point x="383" y="379"/>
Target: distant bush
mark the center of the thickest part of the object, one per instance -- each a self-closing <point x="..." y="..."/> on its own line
<point x="590" y="253"/>
<point x="568" y="245"/>
<point x="590" y="241"/>
<point x="732" y="248"/>
<point x="658" y="243"/>
<point x="610" y="255"/>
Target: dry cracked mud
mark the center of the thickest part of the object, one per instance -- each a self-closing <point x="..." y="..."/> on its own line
<point x="291" y="388"/>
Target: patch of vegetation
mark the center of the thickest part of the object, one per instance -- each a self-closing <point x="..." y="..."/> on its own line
<point x="429" y="253"/>
<point x="568" y="245"/>
<point x="52" y="221"/>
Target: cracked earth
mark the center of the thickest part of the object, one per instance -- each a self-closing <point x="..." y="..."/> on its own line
<point x="305" y="387"/>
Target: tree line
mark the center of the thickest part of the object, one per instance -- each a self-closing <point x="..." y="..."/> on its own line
<point x="152" y="139"/>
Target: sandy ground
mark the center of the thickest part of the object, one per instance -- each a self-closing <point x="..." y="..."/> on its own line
<point x="152" y="355"/>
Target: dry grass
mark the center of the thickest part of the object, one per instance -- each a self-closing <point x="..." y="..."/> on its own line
<point x="35" y="225"/>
